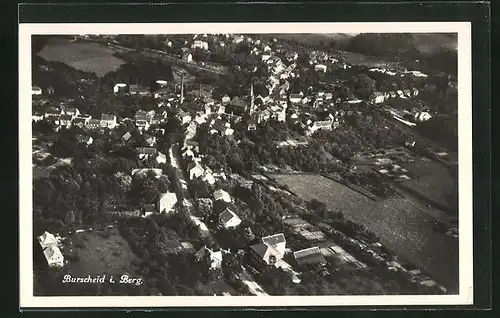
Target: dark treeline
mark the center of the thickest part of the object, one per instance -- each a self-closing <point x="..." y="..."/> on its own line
<point x="405" y="47"/>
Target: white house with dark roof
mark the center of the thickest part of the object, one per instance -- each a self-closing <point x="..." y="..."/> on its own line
<point x="48" y="243"/>
<point x="271" y="250"/>
<point x="215" y="258"/>
<point x="228" y="219"/>
<point x="53" y="256"/>
<point x="108" y="121"/>
<point x="222" y="195"/>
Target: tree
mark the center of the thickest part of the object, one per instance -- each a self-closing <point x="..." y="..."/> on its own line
<point x="363" y="86"/>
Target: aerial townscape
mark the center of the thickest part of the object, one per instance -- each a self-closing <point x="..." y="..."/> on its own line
<point x="245" y="164"/>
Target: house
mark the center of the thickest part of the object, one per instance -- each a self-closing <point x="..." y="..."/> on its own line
<point x="393" y="94"/>
<point x="52" y="111"/>
<point x="148" y="210"/>
<point x="267" y="48"/>
<point x="208" y="177"/>
<point x="158" y="119"/>
<point x="295" y="98"/>
<point x="265" y="56"/>
<point x="252" y="125"/>
<point x="161" y="158"/>
<point x="320" y="125"/>
<point x="199" y="120"/>
<point x="144" y="153"/>
<point x="309" y="256"/>
<point x="142" y="124"/>
<point x="161" y="92"/>
<point x="35" y="90"/>
<point x="150" y="140"/>
<point x="183" y="117"/>
<point x="84" y="139"/>
<point x="195" y="170"/>
<point x="320" y="68"/>
<point x="108" y="121"/>
<point x="414" y="91"/>
<point x="138" y="90"/>
<point x="378" y="98"/>
<point x="143" y="172"/>
<point x="214" y="258"/>
<point x="47" y="239"/>
<point x="225" y="99"/>
<point x="228" y="219"/>
<point x="198" y="44"/>
<point x="270" y="250"/>
<point x="81" y="121"/>
<point x="73" y="112"/>
<point x="187" y="57"/>
<point x="119" y="87"/>
<point x="407" y="92"/>
<point x="167" y="202"/>
<point x="93" y="124"/>
<point x="53" y="256"/>
<point x="65" y="121"/>
<point x="400" y="93"/>
<point x="221" y="129"/>
<point x="236" y="106"/>
<point x="222" y="195"/>
<point x="422" y="116"/>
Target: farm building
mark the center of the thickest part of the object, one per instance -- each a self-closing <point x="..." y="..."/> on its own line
<point x="214" y="258"/>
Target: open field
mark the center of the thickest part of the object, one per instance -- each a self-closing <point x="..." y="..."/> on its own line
<point x="404" y="226"/>
<point x="434" y="183"/>
<point x="368" y="61"/>
<point x="99" y="254"/>
<point x="84" y="56"/>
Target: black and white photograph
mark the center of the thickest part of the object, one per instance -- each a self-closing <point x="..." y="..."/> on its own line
<point x="231" y="160"/>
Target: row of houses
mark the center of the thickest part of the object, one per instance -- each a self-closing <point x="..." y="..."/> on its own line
<point x="379" y="97"/>
<point x="68" y="117"/>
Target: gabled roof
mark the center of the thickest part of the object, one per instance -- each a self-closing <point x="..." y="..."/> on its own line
<point x="308" y="256"/>
<point x="108" y="117"/>
<point x="66" y="117"/>
<point x="273" y="240"/>
<point x="145" y="150"/>
<point x="237" y="102"/>
<point x="127" y="136"/>
<point x="52" y="251"/>
<point x="47" y="239"/>
<point x="226" y="216"/>
<point x="149" y="208"/>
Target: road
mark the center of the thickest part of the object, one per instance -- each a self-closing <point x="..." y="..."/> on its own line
<point x="246" y="277"/>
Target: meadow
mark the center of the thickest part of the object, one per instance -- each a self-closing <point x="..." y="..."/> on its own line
<point x="403" y="225"/>
<point x="101" y="252"/>
<point x="84" y="56"/>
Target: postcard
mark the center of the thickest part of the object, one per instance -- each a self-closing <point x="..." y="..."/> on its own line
<point x="245" y="164"/>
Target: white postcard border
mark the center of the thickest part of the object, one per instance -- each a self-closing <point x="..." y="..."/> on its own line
<point x="465" y="296"/>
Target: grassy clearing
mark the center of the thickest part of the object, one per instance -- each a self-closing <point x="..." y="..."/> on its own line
<point x="90" y="57"/>
<point x="434" y="183"/>
<point x="101" y="252"/>
<point x="403" y="225"/>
